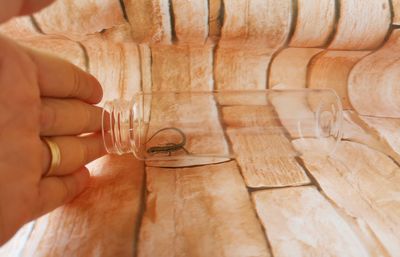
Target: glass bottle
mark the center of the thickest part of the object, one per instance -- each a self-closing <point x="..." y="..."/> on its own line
<point x="177" y="129"/>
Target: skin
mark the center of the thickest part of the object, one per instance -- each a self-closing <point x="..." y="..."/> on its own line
<point x="41" y="95"/>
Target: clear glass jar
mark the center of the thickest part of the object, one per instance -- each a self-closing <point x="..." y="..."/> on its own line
<point x="177" y="129"/>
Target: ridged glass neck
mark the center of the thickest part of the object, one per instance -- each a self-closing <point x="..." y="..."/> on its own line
<point x="118" y="126"/>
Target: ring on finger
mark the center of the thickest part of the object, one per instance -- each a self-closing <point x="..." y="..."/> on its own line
<point x="55" y="156"/>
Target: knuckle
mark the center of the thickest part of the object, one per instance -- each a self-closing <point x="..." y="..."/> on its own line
<point x="86" y="156"/>
<point x="66" y="191"/>
<point x="86" y="119"/>
<point x="48" y="117"/>
<point x="75" y="90"/>
<point x="84" y="152"/>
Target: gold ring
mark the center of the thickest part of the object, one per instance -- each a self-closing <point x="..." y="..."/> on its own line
<point x="55" y="156"/>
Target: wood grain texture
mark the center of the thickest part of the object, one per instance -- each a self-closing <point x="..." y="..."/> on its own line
<point x="388" y="130"/>
<point x="353" y="128"/>
<point x="16" y="244"/>
<point x="187" y="68"/>
<point x="256" y="23"/>
<point x="356" y="129"/>
<point x="362" y="25"/>
<point x="266" y="157"/>
<point x="301" y="222"/>
<point x="24" y="32"/>
<point x="115" y="65"/>
<point x="191" y="21"/>
<point x="294" y="112"/>
<point x="365" y="184"/>
<point x="198" y="118"/>
<point x="150" y="20"/>
<point x="182" y="68"/>
<point x="58" y="46"/>
<point x="373" y="82"/>
<point x="331" y="69"/>
<point x="75" y="19"/>
<point x="203" y="211"/>
<point x="315" y="23"/>
<point x="118" y="34"/>
<point x="239" y="69"/>
<point x="101" y="221"/>
<point x="289" y="67"/>
<point x="251" y="33"/>
<point x="145" y="67"/>
<point x="215" y="18"/>
<point x="18" y="28"/>
<point x="206" y="210"/>
<point x="396" y="11"/>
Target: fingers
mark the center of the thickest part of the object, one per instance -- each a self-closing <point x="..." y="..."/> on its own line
<point x="55" y="191"/>
<point x="9" y="9"/>
<point x="61" y="79"/>
<point x="68" y="117"/>
<point x="31" y="6"/>
<point x="75" y="152"/>
<point x="20" y="7"/>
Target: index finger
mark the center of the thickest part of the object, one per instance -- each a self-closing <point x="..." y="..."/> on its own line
<point x="61" y="79"/>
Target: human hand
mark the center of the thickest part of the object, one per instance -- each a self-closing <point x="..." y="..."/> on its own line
<point x="42" y="96"/>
